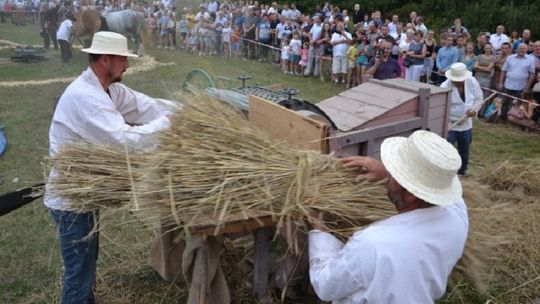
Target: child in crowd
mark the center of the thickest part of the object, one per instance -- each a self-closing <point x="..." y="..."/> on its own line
<point x="193" y="40"/>
<point x="296" y="50"/>
<point x="493" y="109"/>
<point x="152" y="29"/>
<point x="226" y="38"/>
<point x="164" y="32"/>
<point x="304" y="56"/>
<point x="184" y="30"/>
<point x="352" y="53"/>
<point x="171" y="29"/>
<point x="235" y="44"/>
<point x="210" y="42"/>
<point x="203" y="31"/>
<point x="285" y="54"/>
<point x="362" y="60"/>
<point x="522" y="112"/>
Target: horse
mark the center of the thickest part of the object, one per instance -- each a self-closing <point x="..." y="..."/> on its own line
<point x="129" y="23"/>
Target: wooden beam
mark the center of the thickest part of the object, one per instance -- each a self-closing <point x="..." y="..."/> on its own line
<point x="385" y="130"/>
<point x="393" y="86"/>
<point x="423" y="105"/>
<point x="260" y="267"/>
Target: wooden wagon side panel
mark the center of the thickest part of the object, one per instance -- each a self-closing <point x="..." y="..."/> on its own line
<point x="283" y="124"/>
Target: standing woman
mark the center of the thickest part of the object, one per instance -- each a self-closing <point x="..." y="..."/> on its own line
<point x="415" y="57"/>
<point x="469" y="58"/>
<point x="404" y="48"/>
<point x="429" y="61"/>
<point x="325" y="49"/>
<point x="484" y="66"/>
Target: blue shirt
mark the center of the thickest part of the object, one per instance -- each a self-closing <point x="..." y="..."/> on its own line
<point x="446" y="57"/>
<point x="517" y="71"/>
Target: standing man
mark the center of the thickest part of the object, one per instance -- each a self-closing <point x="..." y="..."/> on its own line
<point x="506" y="50"/>
<point x="51" y="25"/>
<point x="357" y="15"/>
<point x="314" y="47"/>
<point x="63" y="34"/>
<point x="446" y="56"/>
<point x="392" y="26"/>
<point x="383" y="66"/>
<point x="248" y="34"/>
<point x="517" y="76"/>
<point x="498" y="39"/>
<point x="96" y="108"/>
<point x="408" y="257"/>
<point x="481" y="41"/>
<point x="340" y="42"/>
<point x="466" y="98"/>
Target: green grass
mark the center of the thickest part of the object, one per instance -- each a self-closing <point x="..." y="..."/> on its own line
<point x="30" y="265"/>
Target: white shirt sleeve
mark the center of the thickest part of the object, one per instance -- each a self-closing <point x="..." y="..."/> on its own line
<point x="136" y="107"/>
<point x="331" y="276"/>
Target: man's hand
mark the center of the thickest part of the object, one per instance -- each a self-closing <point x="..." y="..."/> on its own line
<point x="371" y="170"/>
<point x="471" y="113"/>
<point x="315" y="219"/>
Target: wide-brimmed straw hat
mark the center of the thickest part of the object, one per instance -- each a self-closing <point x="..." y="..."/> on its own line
<point x="109" y="43"/>
<point x="426" y="165"/>
<point x="458" y="72"/>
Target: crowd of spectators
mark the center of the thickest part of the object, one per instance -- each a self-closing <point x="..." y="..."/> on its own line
<point x="344" y="45"/>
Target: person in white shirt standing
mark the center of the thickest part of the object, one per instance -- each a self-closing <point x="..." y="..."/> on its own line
<point x="408" y="257"/>
<point x="97" y="109"/>
<point x="63" y="34"/>
<point x="465" y="100"/>
<point x="340" y="42"/>
<point x="498" y="39"/>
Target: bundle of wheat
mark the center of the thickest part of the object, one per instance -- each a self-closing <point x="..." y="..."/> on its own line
<point x="212" y="164"/>
<point x="520" y="177"/>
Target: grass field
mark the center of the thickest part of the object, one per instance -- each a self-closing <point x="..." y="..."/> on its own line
<point x="30" y="265"/>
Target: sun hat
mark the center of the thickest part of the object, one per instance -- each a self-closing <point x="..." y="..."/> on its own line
<point x="109" y="43"/>
<point x="458" y="72"/>
<point x="426" y="165"/>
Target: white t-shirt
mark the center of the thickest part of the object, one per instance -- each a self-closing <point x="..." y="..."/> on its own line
<point x="497" y="41"/>
<point x="340" y="49"/>
<point x="227" y="34"/>
<point x="406" y="258"/>
<point x="296" y="46"/>
<point x="64" y="30"/>
<point x="315" y="31"/>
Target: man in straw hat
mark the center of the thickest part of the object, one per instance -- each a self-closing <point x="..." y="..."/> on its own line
<point x="96" y="108"/>
<point x="466" y="97"/>
<point x="408" y="257"/>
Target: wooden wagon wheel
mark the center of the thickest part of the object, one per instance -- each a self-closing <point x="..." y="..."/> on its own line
<point x="196" y="81"/>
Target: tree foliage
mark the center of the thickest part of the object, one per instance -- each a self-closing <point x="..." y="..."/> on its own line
<point x="476" y="15"/>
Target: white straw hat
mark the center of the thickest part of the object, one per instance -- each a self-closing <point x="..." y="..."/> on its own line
<point x="458" y="72"/>
<point x="109" y="43"/>
<point x="426" y="165"/>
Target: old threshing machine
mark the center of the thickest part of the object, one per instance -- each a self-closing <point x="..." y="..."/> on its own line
<point x="354" y="122"/>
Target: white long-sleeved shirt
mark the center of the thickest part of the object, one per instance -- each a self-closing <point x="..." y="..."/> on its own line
<point x="406" y="258"/>
<point x="86" y="113"/>
<point x="458" y="107"/>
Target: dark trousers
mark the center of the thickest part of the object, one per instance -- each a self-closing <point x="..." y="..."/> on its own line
<point x="463" y="139"/>
<point x="507" y="102"/>
<point x="48" y="36"/>
<point x="248" y="46"/>
<point x="65" y="50"/>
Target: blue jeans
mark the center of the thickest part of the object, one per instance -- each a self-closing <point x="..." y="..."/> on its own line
<point x="79" y="254"/>
<point x="464" y="139"/>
